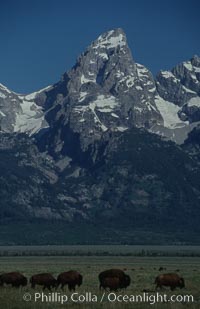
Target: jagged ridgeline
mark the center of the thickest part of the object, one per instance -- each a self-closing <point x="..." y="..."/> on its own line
<point x="107" y="154"/>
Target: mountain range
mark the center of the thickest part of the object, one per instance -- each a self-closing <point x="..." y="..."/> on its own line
<point x="108" y="154"/>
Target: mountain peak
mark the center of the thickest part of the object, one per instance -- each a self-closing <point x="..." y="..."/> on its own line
<point x="110" y="39"/>
<point x="195" y="61"/>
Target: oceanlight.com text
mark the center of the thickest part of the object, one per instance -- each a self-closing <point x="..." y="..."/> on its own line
<point x="111" y="297"/>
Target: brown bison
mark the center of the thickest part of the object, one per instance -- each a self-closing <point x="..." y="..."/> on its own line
<point x="124" y="280"/>
<point x="113" y="283"/>
<point x="15" y="279"/>
<point x="171" y="280"/>
<point x="70" y="278"/>
<point x="46" y="280"/>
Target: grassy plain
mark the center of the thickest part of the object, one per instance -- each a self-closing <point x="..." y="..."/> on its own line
<point x="142" y="269"/>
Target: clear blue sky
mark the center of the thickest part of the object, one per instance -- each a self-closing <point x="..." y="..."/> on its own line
<point x="40" y="40"/>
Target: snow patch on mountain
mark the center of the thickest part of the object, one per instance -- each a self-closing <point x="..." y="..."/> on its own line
<point x="167" y="74"/>
<point x="142" y="71"/>
<point x="33" y="95"/>
<point x="104" y="56"/>
<point x="194" y="102"/>
<point x="188" y="65"/>
<point x="122" y="129"/>
<point x="114" y="115"/>
<point x="4" y="88"/>
<point x="85" y="80"/>
<point x="102" y="104"/>
<point x="30" y="118"/>
<point x="129" y="80"/>
<point x="82" y="96"/>
<point x="2" y="95"/>
<point x="169" y="113"/>
<point x="110" y="39"/>
<point x="188" y="90"/>
<point x="2" y="114"/>
<point x="105" y="104"/>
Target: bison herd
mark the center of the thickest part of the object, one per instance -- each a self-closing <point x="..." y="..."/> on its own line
<point x="112" y="279"/>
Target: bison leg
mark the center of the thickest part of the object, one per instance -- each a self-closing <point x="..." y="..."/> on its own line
<point x="71" y="287"/>
<point x="62" y="286"/>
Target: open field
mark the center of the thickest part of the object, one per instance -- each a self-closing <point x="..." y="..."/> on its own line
<point x="142" y="270"/>
<point x="100" y="250"/>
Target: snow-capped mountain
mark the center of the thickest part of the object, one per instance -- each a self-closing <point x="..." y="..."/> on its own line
<point x="107" y="90"/>
<point x="178" y="100"/>
<point x="93" y="157"/>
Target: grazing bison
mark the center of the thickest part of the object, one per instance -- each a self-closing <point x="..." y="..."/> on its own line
<point x="15" y="279"/>
<point x="70" y="278"/>
<point x="171" y="280"/>
<point x="46" y="280"/>
<point x="124" y="280"/>
<point x="113" y="283"/>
